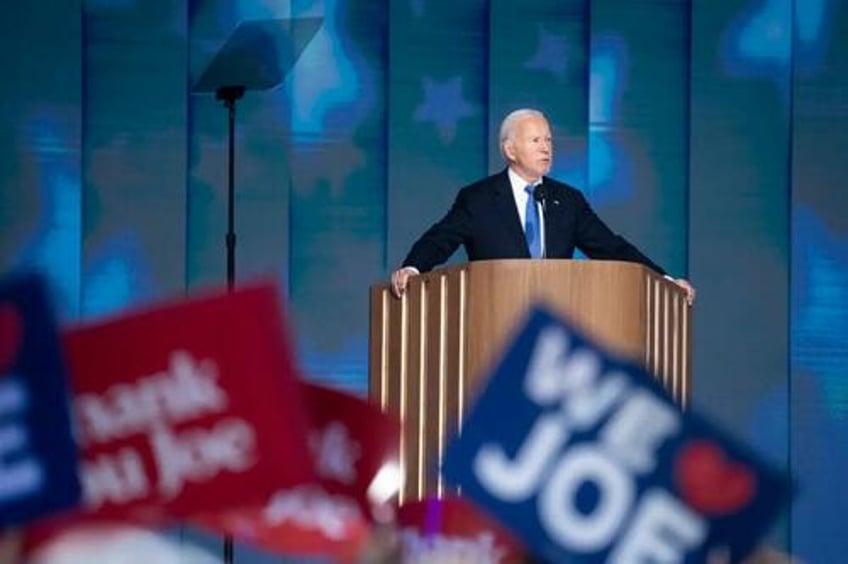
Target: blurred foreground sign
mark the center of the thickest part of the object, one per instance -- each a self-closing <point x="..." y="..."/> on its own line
<point x="355" y="450"/>
<point x="587" y="459"/>
<point x="451" y="529"/>
<point x="188" y="407"/>
<point x="38" y="458"/>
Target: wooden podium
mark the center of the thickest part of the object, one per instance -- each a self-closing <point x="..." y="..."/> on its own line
<point x="429" y="349"/>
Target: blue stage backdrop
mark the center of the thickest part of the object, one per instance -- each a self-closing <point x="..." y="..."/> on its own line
<point x="712" y="134"/>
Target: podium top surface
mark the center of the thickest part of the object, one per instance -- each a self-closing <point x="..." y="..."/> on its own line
<point x="555" y="268"/>
<point x="258" y="54"/>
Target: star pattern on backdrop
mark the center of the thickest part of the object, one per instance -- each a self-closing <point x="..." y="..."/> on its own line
<point x="329" y="168"/>
<point x="551" y="55"/>
<point x="444" y="105"/>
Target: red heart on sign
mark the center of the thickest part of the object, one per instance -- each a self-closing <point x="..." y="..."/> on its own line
<point x="710" y="482"/>
<point x="11" y="335"/>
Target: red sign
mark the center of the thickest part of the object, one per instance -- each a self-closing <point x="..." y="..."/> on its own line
<point x="452" y="529"/>
<point x="354" y="445"/>
<point x="355" y="450"/>
<point x="188" y="408"/>
<point x="303" y="521"/>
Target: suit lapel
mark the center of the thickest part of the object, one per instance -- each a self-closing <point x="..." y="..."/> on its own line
<point x="557" y="222"/>
<point x="504" y="204"/>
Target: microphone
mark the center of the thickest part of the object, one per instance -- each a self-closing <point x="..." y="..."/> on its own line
<point x="540" y="195"/>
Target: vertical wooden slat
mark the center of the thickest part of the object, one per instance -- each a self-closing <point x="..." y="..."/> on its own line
<point x="423" y="370"/>
<point x="657" y="351"/>
<point x="433" y="425"/>
<point x="462" y="365"/>
<point x="675" y="345"/>
<point x="410" y="394"/>
<point x="444" y="377"/>
<point x="383" y="348"/>
<point x="673" y="384"/>
<point x="397" y="351"/>
<point x="451" y="405"/>
<point x="398" y="394"/>
<point x="666" y="322"/>
<point x="649" y="315"/>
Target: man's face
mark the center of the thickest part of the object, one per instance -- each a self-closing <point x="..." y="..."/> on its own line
<point x="530" y="149"/>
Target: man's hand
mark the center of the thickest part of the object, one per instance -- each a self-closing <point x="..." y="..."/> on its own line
<point x="690" y="290"/>
<point x="400" y="278"/>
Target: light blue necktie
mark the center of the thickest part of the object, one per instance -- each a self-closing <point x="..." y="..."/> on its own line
<point x="531" y="225"/>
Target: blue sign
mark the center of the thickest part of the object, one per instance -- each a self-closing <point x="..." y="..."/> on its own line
<point x="38" y="457"/>
<point x="587" y="459"/>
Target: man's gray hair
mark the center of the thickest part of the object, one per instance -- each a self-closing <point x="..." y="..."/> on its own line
<point x="508" y="124"/>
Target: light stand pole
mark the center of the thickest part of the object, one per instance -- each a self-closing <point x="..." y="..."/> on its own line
<point x="228" y="95"/>
<point x="256" y="56"/>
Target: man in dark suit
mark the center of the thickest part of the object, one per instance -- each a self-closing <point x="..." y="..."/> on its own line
<point x="520" y="213"/>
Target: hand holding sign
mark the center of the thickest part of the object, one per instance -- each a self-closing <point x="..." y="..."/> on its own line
<point x="596" y="463"/>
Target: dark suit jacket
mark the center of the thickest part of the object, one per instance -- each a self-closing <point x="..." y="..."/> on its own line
<point x="484" y="219"/>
